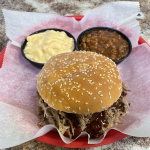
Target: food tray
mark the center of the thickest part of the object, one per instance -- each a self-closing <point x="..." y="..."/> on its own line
<point x="53" y="138"/>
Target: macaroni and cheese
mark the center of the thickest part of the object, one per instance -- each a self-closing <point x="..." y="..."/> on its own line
<point x="42" y="46"/>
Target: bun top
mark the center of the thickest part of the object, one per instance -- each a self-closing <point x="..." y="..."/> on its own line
<point x="79" y="82"/>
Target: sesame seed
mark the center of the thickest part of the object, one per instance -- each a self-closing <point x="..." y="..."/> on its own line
<point x="101" y="95"/>
<point x="79" y="85"/>
<point x="96" y="88"/>
<point x="86" y="103"/>
<point x="72" y="98"/>
<point x="89" y="80"/>
<point x="88" y="110"/>
<point x="99" y="92"/>
<point x="60" y="101"/>
<point x="101" y="101"/>
<point x="79" y="108"/>
<point x="94" y="98"/>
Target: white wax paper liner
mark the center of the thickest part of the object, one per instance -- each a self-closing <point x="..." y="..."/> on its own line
<point x="17" y="74"/>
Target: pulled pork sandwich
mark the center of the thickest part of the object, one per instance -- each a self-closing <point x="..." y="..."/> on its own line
<point x="81" y="91"/>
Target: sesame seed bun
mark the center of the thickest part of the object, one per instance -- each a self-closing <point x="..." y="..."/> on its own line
<point x="79" y="82"/>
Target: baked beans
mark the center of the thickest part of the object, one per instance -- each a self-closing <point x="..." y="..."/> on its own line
<point x="109" y="43"/>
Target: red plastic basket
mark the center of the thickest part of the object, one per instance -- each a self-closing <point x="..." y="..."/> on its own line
<point x="53" y="138"/>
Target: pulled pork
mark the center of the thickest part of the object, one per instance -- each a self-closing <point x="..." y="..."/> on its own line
<point x="71" y="125"/>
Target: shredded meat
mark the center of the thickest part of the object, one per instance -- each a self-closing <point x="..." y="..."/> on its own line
<point x="72" y="125"/>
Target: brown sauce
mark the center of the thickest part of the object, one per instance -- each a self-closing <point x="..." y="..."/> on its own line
<point x="98" y="121"/>
<point x="109" y="43"/>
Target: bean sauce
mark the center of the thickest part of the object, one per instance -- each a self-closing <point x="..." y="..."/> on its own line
<point x="109" y="43"/>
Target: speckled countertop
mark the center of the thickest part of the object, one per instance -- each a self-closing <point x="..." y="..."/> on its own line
<point x="75" y="7"/>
